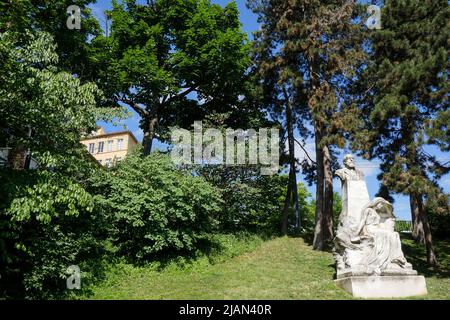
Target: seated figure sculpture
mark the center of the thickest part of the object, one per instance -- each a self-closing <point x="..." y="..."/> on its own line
<point x="365" y="242"/>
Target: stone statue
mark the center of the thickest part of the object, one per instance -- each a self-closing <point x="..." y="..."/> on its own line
<point x="368" y="252"/>
<point x="349" y="172"/>
<point x="354" y="191"/>
<point x="365" y="242"/>
<point x="377" y="225"/>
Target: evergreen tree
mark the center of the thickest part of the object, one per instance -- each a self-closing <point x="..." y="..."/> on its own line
<point x="404" y="97"/>
<point x="308" y="53"/>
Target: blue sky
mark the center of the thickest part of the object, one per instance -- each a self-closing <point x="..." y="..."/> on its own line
<point x="371" y="169"/>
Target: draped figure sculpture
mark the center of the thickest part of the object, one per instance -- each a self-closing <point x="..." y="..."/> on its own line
<point x="366" y="242"/>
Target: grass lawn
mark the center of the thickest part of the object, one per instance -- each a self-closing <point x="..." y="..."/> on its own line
<point x="280" y="268"/>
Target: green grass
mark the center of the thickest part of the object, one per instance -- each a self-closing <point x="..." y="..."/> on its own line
<point x="438" y="279"/>
<point x="280" y="268"/>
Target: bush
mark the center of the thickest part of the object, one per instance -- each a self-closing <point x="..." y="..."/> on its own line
<point x="155" y="208"/>
<point x="308" y="210"/>
<point x="251" y="202"/>
<point x="47" y="223"/>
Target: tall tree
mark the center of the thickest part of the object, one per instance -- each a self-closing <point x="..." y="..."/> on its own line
<point x="173" y="62"/>
<point x="46" y="213"/>
<point x="405" y="99"/>
<point x="310" y="50"/>
<point x="72" y="45"/>
<point x="275" y="85"/>
<point x="41" y="109"/>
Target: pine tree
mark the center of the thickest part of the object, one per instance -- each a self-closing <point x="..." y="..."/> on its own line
<point x="404" y="96"/>
<point x="309" y="52"/>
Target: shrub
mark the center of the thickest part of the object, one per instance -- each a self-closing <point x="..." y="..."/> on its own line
<point x="47" y="223"/>
<point x="252" y="202"/>
<point x="155" y="208"/>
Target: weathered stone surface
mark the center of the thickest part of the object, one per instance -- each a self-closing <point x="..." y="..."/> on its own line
<point x="366" y="244"/>
<point x="392" y="272"/>
<point x="356" y="197"/>
<point x="383" y="286"/>
<point x="354" y="191"/>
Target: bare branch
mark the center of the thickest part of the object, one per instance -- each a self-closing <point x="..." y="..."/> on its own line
<point x="306" y="152"/>
<point x="136" y="107"/>
<point x="181" y="94"/>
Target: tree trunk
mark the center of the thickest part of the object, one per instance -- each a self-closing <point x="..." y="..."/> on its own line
<point x="295" y="200"/>
<point x="17" y="158"/>
<point x="418" y="233"/>
<point x="327" y="217"/>
<point x="318" y="243"/>
<point x="420" y="216"/>
<point x="149" y="134"/>
<point x="293" y="171"/>
<point x="287" y="201"/>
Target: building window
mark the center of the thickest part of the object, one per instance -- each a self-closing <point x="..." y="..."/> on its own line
<point x="110" y="145"/>
<point x="119" y="144"/>
<point x="100" y="146"/>
<point x="108" y="163"/>
<point x="91" y="147"/>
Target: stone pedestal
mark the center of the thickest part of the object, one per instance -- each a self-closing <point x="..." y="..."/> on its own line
<point x="383" y="286"/>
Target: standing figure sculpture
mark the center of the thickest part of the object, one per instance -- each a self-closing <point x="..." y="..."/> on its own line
<point x="354" y="190"/>
<point x="365" y="241"/>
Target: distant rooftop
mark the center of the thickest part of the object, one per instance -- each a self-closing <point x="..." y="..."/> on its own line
<point x="102" y="133"/>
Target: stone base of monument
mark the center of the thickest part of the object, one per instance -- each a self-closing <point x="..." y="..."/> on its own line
<point x="383" y="286"/>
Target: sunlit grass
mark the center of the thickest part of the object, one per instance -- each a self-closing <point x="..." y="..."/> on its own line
<point x="281" y="268"/>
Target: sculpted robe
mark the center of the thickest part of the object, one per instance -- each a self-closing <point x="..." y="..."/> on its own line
<point x="365" y="241"/>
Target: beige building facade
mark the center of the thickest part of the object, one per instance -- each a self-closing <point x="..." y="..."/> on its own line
<point x="108" y="148"/>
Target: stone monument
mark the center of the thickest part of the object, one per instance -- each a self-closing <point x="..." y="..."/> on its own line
<point x="369" y="258"/>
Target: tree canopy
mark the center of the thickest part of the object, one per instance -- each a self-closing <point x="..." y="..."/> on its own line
<point x="173" y="62"/>
<point x="404" y="100"/>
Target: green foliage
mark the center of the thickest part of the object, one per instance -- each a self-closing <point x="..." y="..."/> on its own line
<point x="403" y="226"/>
<point x="438" y="212"/>
<point x="47" y="223"/>
<point x="51" y="195"/>
<point x="48" y="219"/>
<point x="163" y="58"/>
<point x="337" y="209"/>
<point x="34" y="98"/>
<point x="50" y="17"/>
<point x="252" y="202"/>
<point x="156" y="209"/>
<point x="406" y="102"/>
<point x="309" y="209"/>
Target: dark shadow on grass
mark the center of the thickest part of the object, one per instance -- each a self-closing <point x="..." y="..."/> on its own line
<point x="416" y="254"/>
<point x="308" y="237"/>
<point x="209" y="247"/>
